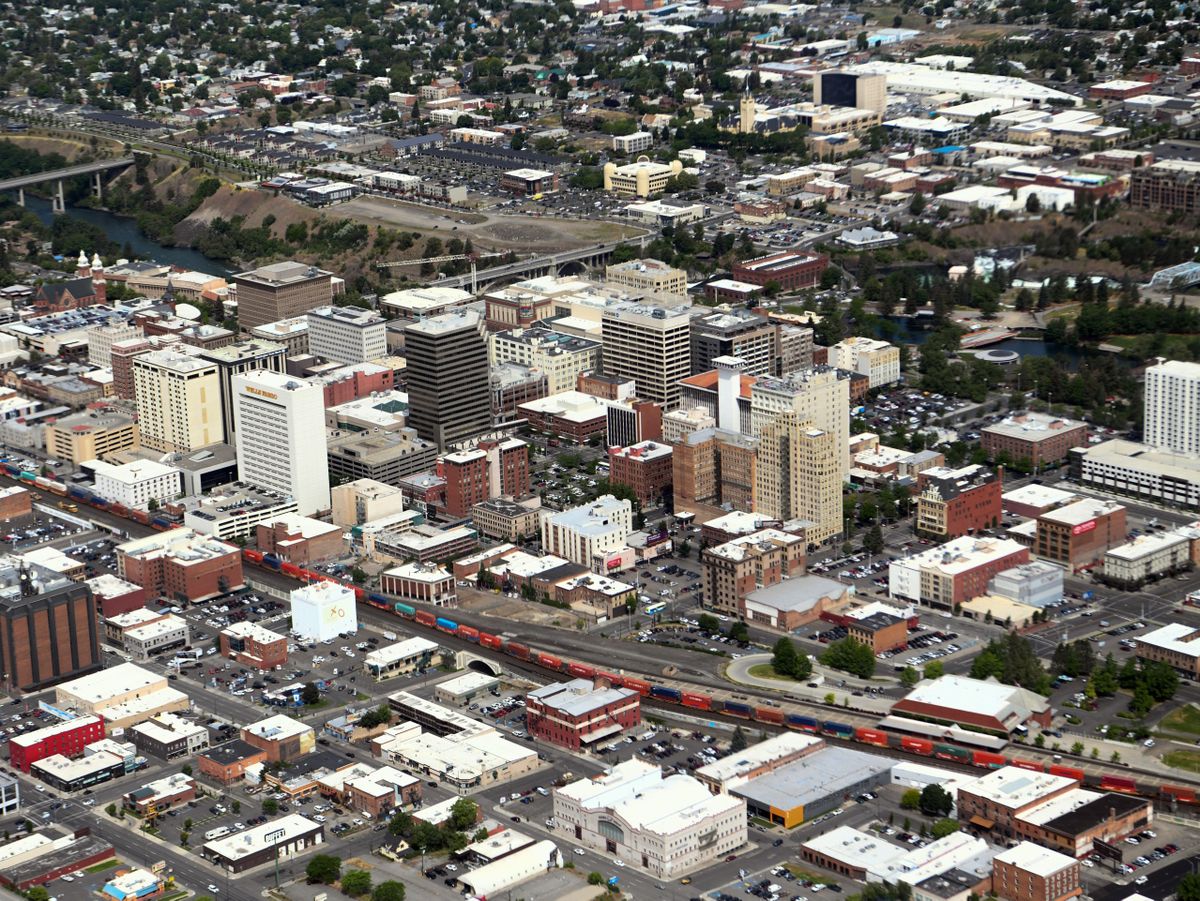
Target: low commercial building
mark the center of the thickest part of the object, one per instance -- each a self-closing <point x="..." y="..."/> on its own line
<point x="789" y="270"/>
<point x="1148" y="557"/>
<point x="1033" y="440"/>
<point x="1175" y="644"/>
<point x="1034" y="500"/>
<point x="66" y="738"/>
<point x="227" y="763"/>
<point x="571" y="415"/>
<point x="815" y="784"/>
<point x="122" y="695"/>
<point x="156" y="637"/>
<point x="402" y="658"/>
<point x="490" y="880"/>
<point x="1029" y="872"/>
<point x="879" y="631"/>
<point x="1036" y="584"/>
<point x="115" y="596"/>
<point x="155" y="798"/>
<point x="102" y="761"/>
<point x="529" y="182"/>
<point x="253" y="645"/>
<point x="282" y="738"/>
<point x="666" y="826"/>
<point x="279" y="839"/>
<point x="982" y="704"/>
<point x="425" y="583"/>
<point x="787" y="606"/>
<point x="299" y="539"/>
<point x="578" y="713"/>
<point x="1072" y="822"/>
<point x="1080" y="534"/>
<point x="363" y="500"/>
<point x="169" y="737"/>
<point x="947" y="575"/>
<point x="956" y="502"/>
<point x="91" y="434"/>
<point x="181" y="565"/>
<point x="48" y="854"/>
<point x="461" y="690"/>
<point x="757" y="760"/>
<point x="136" y="484"/>
<point x="961" y="861"/>
<point x="995" y="801"/>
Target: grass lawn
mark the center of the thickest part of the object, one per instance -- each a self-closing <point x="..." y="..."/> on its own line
<point x="765" y="671"/>
<point x="1184" y="719"/>
<point x="1183" y="760"/>
<point x="102" y="866"/>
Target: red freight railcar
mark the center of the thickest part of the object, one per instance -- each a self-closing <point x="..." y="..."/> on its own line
<point x="290" y="569"/>
<point x="917" y="745"/>
<point x="580" y="671"/>
<point x="515" y="649"/>
<point x="988" y="759"/>
<point x="699" y="702"/>
<point x="612" y="678"/>
<point x="490" y="641"/>
<point x="642" y="688"/>
<point x="549" y="661"/>
<point x="425" y="618"/>
<point x="1028" y="765"/>
<point x="1118" y="784"/>
<point x="872" y="737"/>
<point x="1069" y="771"/>
<point x="1179" y="793"/>
<point x="768" y="715"/>
<point x="252" y="555"/>
<point x="470" y="633"/>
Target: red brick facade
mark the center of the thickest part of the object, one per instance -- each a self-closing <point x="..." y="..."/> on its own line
<point x="644" y="468"/>
<point x="69" y="742"/>
<point x="187" y="581"/>
<point x="575" y="728"/>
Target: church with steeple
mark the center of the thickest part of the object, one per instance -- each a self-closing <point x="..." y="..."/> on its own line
<point x="86" y="289"/>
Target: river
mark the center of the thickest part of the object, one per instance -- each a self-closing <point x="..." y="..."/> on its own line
<point x="1069" y="357"/>
<point x="124" y="230"/>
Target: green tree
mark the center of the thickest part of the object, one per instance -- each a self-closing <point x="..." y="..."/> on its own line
<point x="709" y="623"/>
<point x="944" y="827"/>
<point x="936" y="801"/>
<point x="739" y="632"/>
<point x="464" y="813"/>
<point x="909" y="677"/>
<point x="324" y="869"/>
<point x="873" y="540"/>
<point x="738" y="742"/>
<point x="595" y="878"/>
<point x="270" y="806"/>
<point x="1188" y="888"/>
<point x="356" y="883"/>
<point x="935" y="669"/>
<point x="38" y="893"/>
<point x="1077" y="748"/>
<point x="388" y="891"/>
<point x="911" y="799"/>
<point x="850" y="656"/>
<point x="310" y="694"/>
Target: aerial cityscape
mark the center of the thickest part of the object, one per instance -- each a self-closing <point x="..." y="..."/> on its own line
<point x="710" y="450"/>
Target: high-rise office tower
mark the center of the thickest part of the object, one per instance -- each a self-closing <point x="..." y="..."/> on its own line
<point x="738" y="333"/>
<point x="346" y="334"/>
<point x="841" y="88"/>
<point x="650" y="345"/>
<point x="48" y="628"/>
<point x="447" y="368"/>
<point x="279" y="424"/>
<point x="179" y="401"/>
<point x="798" y="475"/>
<point x="1172" y="407"/>
<point x="237" y="358"/>
<point x="281" y="291"/>
<point x="820" y="395"/>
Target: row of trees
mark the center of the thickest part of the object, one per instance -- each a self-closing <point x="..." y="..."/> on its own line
<point x="326" y="869"/>
<point x="850" y="656"/>
<point x="1011" y="659"/>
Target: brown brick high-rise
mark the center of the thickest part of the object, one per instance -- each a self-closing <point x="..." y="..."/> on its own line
<point x="47" y="637"/>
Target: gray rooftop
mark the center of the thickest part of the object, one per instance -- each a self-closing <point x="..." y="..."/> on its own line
<point x="827" y="772"/>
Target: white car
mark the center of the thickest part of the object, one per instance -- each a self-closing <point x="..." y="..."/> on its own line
<point x="580" y="851"/>
<point x="617" y="862"/>
<point x="452" y="868"/>
<point x="1141" y="880"/>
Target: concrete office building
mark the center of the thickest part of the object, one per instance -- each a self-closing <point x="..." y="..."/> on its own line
<point x="48" y="628"/>
<point x="448" y="378"/>
<point x="650" y="345"/>
<point x="347" y="334"/>
<point x="563" y="358"/>
<point x="839" y="87"/>
<point x="878" y="360"/>
<point x="281" y="291"/>
<point x="179" y="401"/>
<point x="236" y="359"/>
<point x="363" y="500"/>
<point x="580" y="534"/>
<point x="280" y="437"/>
<point x="101" y="339"/>
<point x="1034" y="439"/>
<point x="91" y="434"/>
<point x="665" y="826"/>
<point x="738" y="333"/>
<point x="648" y="276"/>
<point x="1035" y="584"/>
<point x="380" y="456"/>
<point x="136" y="484"/>
<point x="641" y="178"/>
<point x="799" y="475"/>
<point x="1172" y="407"/>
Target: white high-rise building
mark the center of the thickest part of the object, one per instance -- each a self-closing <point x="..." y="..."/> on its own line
<point x="179" y="400"/>
<point x="323" y="610"/>
<point x="280" y="440"/>
<point x="1172" y="410"/>
<point x="347" y="334"/>
<point x="580" y="534"/>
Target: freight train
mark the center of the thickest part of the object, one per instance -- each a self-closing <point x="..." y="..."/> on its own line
<point x="82" y="495"/>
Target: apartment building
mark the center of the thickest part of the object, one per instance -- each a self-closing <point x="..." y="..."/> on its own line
<point x="732" y="570"/>
<point x="878" y="360"/>
<point x="179" y="401"/>
<point x="1172" y="407"/>
<point x="650" y="345"/>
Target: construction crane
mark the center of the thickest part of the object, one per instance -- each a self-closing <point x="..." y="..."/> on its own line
<point x="451" y="258"/>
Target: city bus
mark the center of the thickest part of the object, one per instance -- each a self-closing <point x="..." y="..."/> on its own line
<point x="654" y="608"/>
